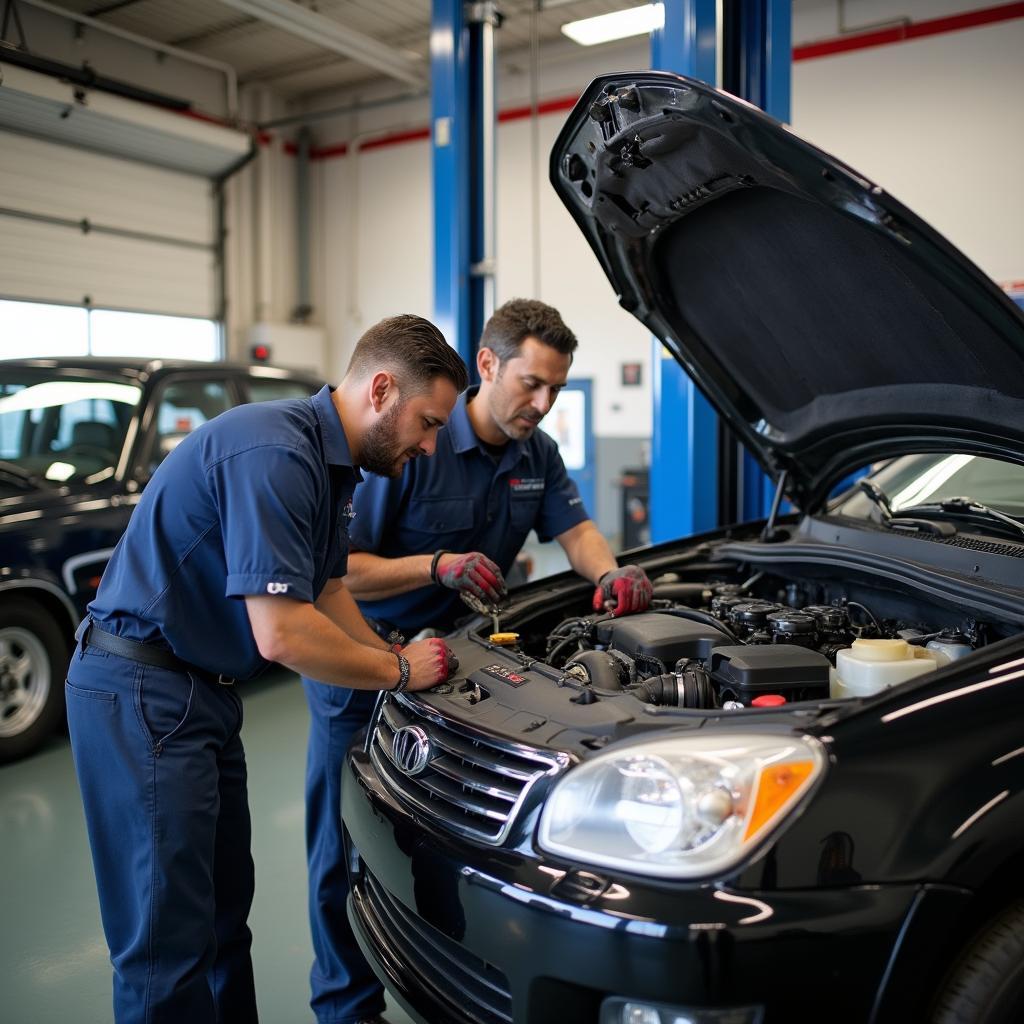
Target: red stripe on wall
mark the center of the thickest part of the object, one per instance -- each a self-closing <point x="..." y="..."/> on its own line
<point x="913" y="30"/>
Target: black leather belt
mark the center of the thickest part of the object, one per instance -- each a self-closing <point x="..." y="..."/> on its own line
<point x="90" y="635"/>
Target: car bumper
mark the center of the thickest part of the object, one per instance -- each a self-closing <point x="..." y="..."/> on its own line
<point x="474" y="935"/>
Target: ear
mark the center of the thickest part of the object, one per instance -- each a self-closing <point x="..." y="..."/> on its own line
<point x="487" y="364"/>
<point x="382" y="387"/>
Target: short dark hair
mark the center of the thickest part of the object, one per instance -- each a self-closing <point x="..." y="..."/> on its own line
<point x="411" y="348"/>
<point x="519" y="319"/>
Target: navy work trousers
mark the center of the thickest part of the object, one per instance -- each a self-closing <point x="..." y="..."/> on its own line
<point x="162" y="773"/>
<point x="344" y="987"/>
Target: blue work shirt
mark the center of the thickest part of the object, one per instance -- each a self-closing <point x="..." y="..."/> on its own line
<point x="257" y="501"/>
<point x="461" y="499"/>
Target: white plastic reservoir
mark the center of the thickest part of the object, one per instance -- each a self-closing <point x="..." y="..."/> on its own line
<point x="870" y="666"/>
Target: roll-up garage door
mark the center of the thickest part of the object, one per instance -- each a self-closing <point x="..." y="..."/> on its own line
<point x="91" y="229"/>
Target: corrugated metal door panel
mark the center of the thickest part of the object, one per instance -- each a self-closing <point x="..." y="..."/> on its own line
<point x="46" y="178"/>
<point x="170" y="269"/>
<point x="50" y="263"/>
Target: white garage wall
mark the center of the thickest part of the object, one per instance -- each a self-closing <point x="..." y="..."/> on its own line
<point x="937" y="123"/>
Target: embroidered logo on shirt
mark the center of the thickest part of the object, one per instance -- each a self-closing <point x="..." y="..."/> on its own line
<point x="277" y="588"/>
<point x="575" y="501"/>
<point x="526" y="484"/>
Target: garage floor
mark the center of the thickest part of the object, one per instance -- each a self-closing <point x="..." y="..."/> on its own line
<point x="53" y="961"/>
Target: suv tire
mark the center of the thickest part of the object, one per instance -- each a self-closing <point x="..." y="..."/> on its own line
<point x="986" y="984"/>
<point x="33" y="660"/>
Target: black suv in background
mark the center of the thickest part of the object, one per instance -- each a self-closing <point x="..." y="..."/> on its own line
<point x="78" y="441"/>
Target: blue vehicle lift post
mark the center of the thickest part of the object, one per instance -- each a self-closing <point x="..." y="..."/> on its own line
<point x="699" y="476"/>
<point x="462" y="118"/>
<point x="684" y="431"/>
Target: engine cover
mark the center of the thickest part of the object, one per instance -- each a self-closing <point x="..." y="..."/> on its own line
<point x="656" y="641"/>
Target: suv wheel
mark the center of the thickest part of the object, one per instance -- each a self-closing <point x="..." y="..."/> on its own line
<point x="986" y="985"/>
<point x="33" y="657"/>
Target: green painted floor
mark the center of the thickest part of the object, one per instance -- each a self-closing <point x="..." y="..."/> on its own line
<point x="53" y="960"/>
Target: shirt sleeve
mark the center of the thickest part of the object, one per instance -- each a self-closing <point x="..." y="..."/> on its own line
<point x="267" y="499"/>
<point x="562" y="507"/>
<point x="375" y="508"/>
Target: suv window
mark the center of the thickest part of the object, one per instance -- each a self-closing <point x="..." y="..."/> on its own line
<point x="58" y="428"/>
<point x="262" y="389"/>
<point x="185" y="405"/>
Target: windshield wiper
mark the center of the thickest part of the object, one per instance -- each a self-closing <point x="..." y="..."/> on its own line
<point x="15" y="473"/>
<point x="901" y="522"/>
<point x="966" y="508"/>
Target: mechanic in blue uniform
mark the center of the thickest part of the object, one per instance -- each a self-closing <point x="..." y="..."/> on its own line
<point x="455" y="524"/>
<point x="233" y="559"/>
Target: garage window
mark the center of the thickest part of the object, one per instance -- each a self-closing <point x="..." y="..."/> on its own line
<point x="29" y="329"/>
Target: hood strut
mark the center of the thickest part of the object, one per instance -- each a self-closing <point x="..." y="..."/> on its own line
<point x="768" y="534"/>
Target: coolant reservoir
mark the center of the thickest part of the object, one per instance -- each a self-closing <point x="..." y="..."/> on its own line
<point x="947" y="649"/>
<point x="869" y="666"/>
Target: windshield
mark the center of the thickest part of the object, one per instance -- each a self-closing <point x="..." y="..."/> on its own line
<point x="60" y="428"/>
<point x="926" y="479"/>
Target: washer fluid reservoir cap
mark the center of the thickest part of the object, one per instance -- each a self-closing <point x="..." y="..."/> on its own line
<point x="768" y="700"/>
<point x="504" y="639"/>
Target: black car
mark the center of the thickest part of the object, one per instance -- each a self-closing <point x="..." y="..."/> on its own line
<point x="78" y="441"/>
<point x="792" y="790"/>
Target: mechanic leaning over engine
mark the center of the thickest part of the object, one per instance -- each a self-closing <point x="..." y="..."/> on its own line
<point x="233" y="559"/>
<point x="454" y="524"/>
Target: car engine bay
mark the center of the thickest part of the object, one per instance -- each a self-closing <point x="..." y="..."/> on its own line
<point x="721" y="638"/>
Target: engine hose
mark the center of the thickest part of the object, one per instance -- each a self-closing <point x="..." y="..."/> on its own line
<point x="557" y="649"/>
<point x="697" y="616"/>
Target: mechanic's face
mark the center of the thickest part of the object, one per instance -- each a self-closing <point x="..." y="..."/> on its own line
<point x="520" y="391"/>
<point x="407" y="428"/>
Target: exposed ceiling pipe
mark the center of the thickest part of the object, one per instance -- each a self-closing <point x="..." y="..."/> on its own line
<point x="332" y="35"/>
<point x="230" y="78"/>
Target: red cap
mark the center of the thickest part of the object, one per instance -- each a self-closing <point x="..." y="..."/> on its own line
<point x="768" y="700"/>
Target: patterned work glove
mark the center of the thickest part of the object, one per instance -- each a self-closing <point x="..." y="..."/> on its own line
<point x="472" y="572"/>
<point x="623" y="591"/>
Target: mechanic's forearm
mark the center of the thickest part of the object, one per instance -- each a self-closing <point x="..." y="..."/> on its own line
<point x="588" y="551"/>
<point x="296" y="635"/>
<point x="340" y="607"/>
<point x="372" y="578"/>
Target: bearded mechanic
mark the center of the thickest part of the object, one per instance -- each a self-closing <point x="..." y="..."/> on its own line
<point x="234" y="558"/>
<point x="450" y="524"/>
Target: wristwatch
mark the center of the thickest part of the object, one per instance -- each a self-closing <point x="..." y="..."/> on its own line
<point x="403" y="673"/>
<point x="434" y="561"/>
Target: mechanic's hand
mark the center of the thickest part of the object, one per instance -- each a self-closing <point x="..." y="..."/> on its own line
<point x="623" y="591"/>
<point x="430" y="663"/>
<point x="473" y="572"/>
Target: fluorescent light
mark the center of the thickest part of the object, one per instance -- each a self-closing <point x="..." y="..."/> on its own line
<point x="636" y="21"/>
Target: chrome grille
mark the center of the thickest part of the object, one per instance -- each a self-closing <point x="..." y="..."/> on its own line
<point x="471" y="785"/>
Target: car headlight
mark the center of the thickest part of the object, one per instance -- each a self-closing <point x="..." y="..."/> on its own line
<point x="685" y="807"/>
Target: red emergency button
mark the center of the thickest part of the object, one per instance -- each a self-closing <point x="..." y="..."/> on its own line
<point x="768" y="700"/>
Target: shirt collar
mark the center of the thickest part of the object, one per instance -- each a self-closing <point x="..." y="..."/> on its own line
<point x="335" y="442"/>
<point x="464" y="436"/>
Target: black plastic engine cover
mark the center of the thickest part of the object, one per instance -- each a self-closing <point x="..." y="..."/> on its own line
<point x="663" y="638"/>
<point x="745" y="672"/>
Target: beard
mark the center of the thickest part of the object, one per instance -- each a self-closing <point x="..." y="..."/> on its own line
<point x="381" y="451"/>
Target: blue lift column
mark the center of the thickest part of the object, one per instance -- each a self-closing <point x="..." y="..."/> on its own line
<point x="684" y="446"/>
<point x="462" y="117"/>
<point x="757" y="60"/>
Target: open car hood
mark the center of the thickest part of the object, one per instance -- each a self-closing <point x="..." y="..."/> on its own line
<point x="828" y="324"/>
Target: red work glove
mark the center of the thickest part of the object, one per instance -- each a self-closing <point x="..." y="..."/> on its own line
<point x="473" y="572"/>
<point x="430" y="662"/>
<point x="623" y="591"/>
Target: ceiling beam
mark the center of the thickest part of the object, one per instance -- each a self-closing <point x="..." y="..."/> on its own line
<point x="333" y="35"/>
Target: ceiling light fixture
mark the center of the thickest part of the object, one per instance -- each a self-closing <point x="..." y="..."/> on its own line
<point x="635" y="21"/>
